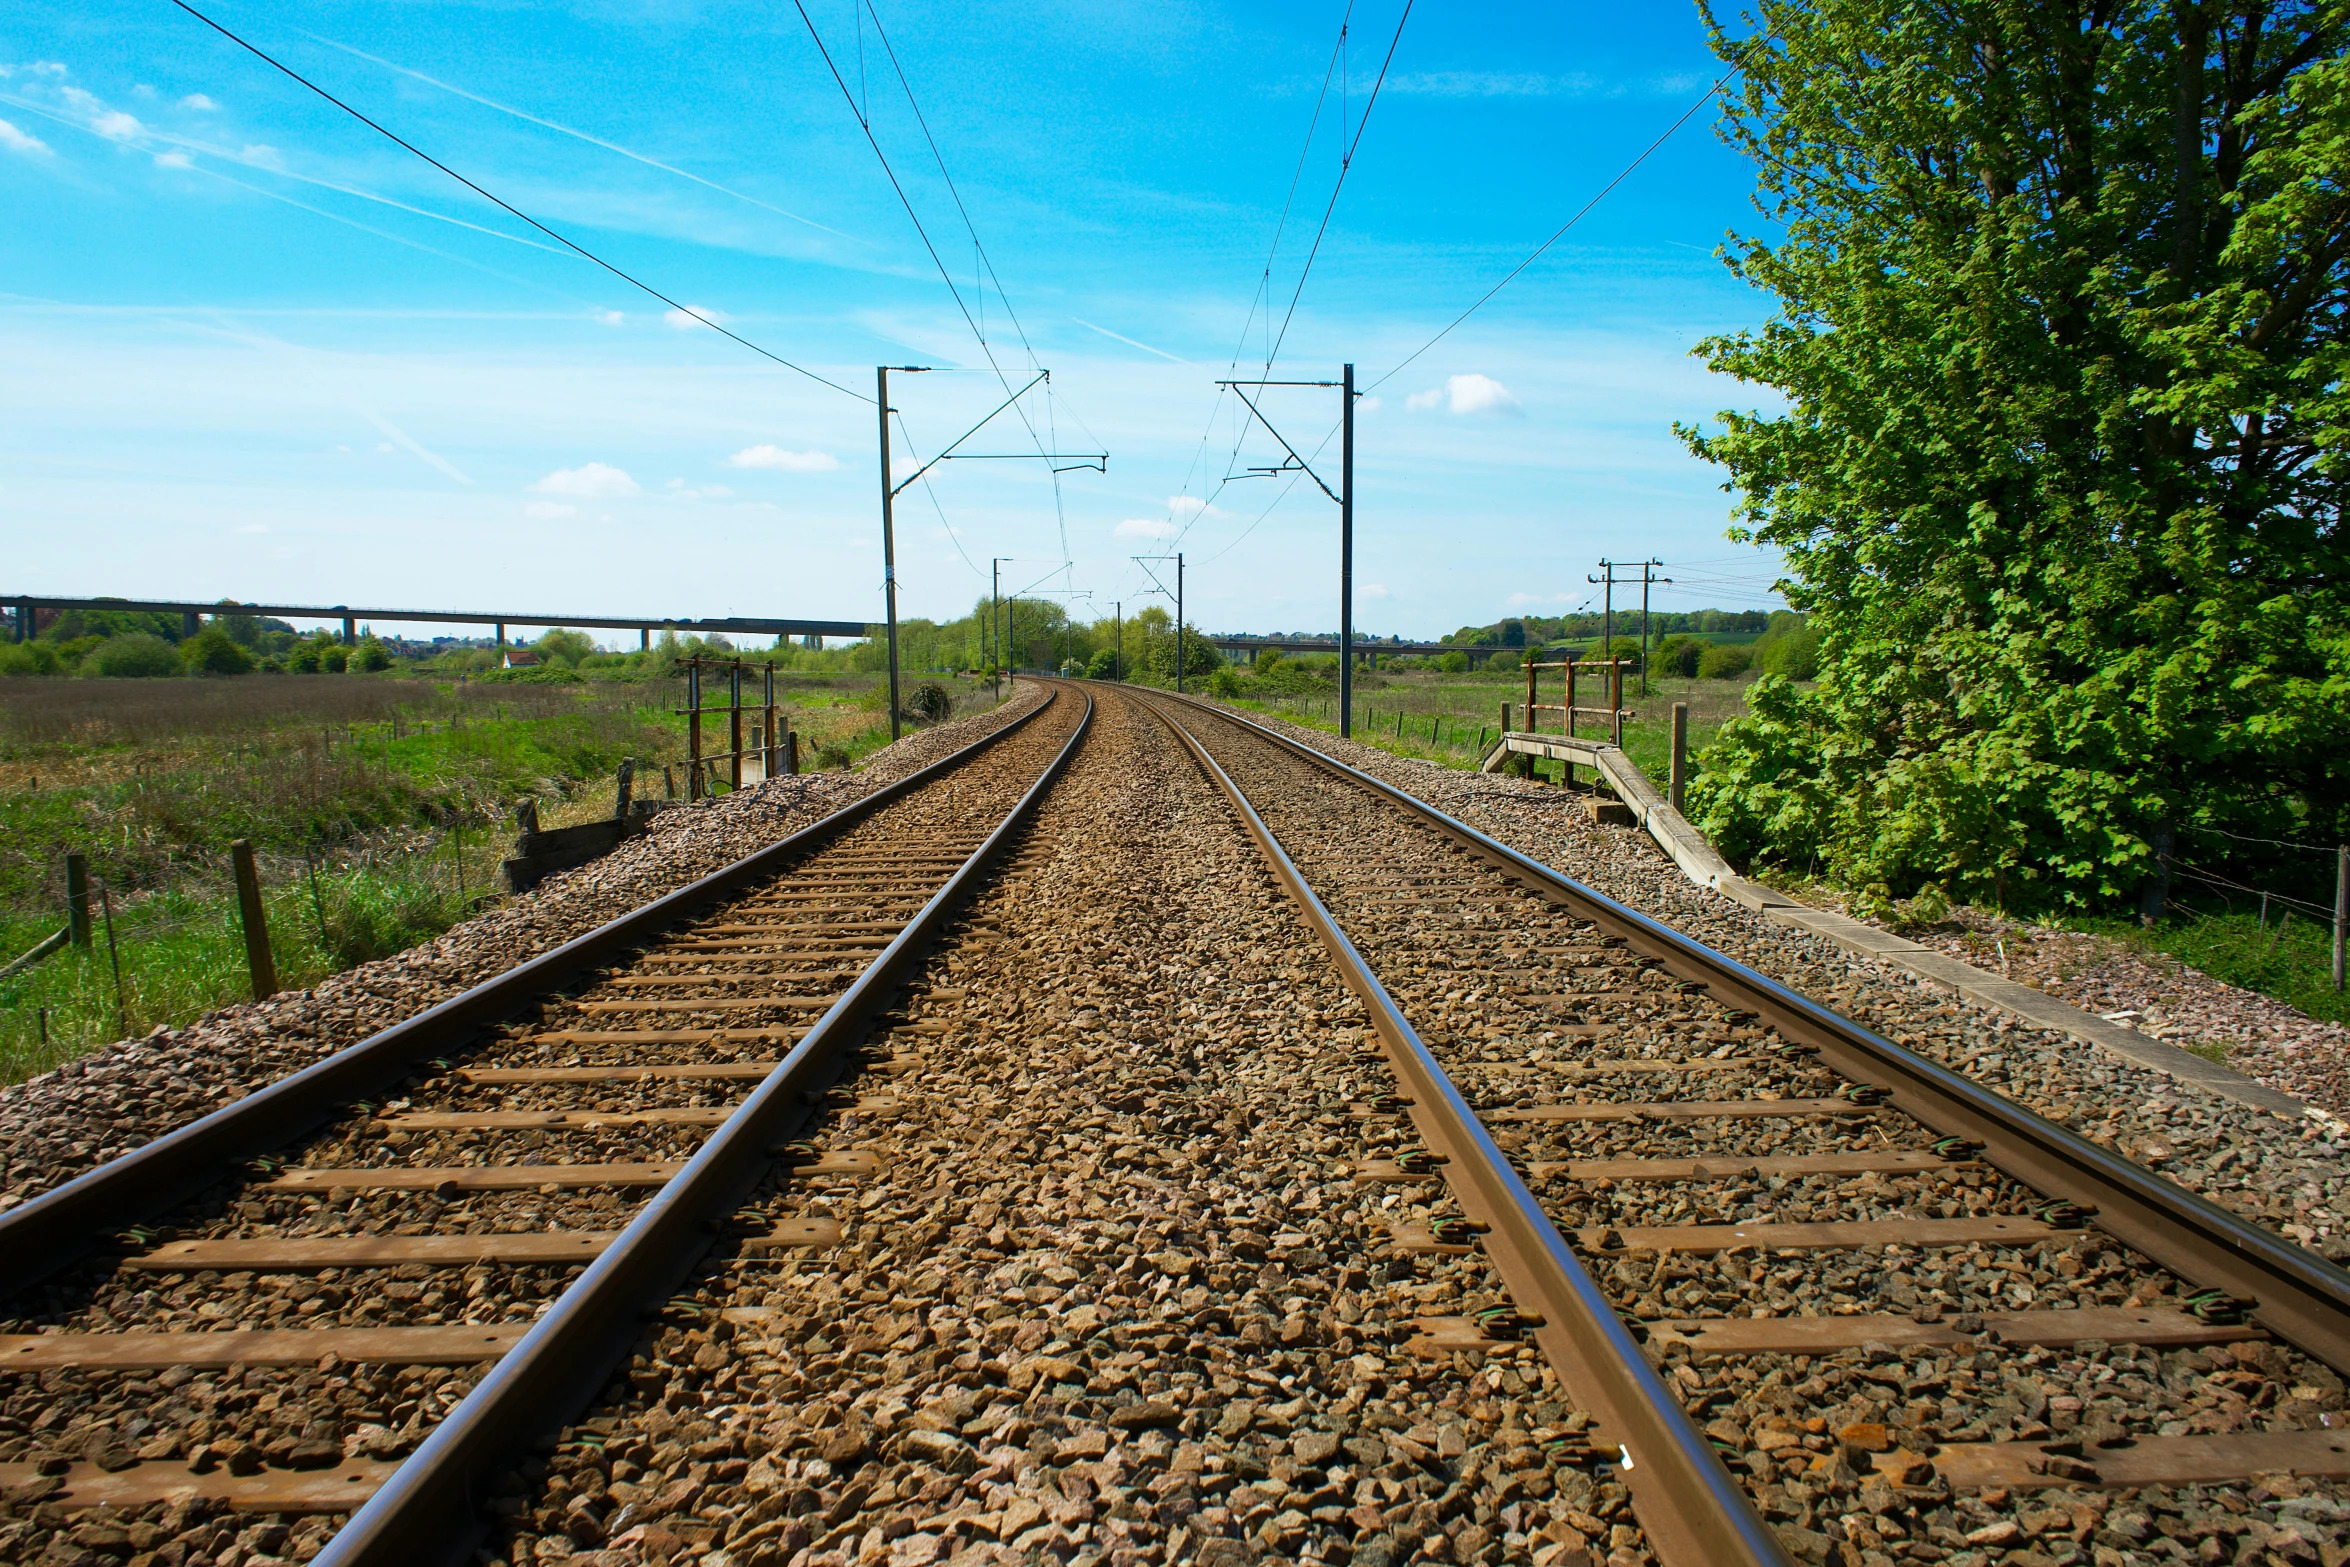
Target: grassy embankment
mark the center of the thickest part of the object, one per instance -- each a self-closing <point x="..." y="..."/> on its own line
<point x="379" y="808"/>
<point x="1451" y="719"/>
<point x="1446" y="716"/>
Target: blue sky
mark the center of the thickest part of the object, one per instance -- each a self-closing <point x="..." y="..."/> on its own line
<point x="254" y="349"/>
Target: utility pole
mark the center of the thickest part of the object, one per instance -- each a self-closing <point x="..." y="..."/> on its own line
<point x="1118" y="640"/>
<point x="1346" y="556"/>
<point x="1646" y="567"/>
<point x="995" y="594"/>
<point x="1344" y="496"/>
<point x="889" y="550"/>
<point x="1179" y="623"/>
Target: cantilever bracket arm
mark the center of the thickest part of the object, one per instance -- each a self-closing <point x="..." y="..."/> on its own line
<point x="1302" y="465"/>
<point x="948" y="449"/>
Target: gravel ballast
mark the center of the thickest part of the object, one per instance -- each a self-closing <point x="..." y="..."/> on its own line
<point x="63" y="1122"/>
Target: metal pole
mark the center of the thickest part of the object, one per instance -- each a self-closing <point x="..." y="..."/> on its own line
<point x="995" y="594"/>
<point x="1179" y="623"/>
<point x="769" y="739"/>
<point x="1644" y="580"/>
<point x="1346" y="555"/>
<point x="1118" y="653"/>
<point x="259" y="960"/>
<point x="889" y="550"/>
<point x="693" y="727"/>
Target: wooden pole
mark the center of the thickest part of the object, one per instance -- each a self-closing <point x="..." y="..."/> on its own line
<point x="77" y="899"/>
<point x="693" y="727"/>
<point x="734" y="723"/>
<point x="2341" y="907"/>
<point x="768" y="734"/>
<point x="791" y="753"/>
<point x="624" y="787"/>
<point x="1532" y="724"/>
<point x="1680" y="753"/>
<point x="259" y="960"/>
<point x="122" y="1008"/>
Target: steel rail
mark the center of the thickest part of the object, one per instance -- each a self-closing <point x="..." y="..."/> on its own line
<point x="52" y="1230"/>
<point x="1690" y="1506"/>
<point x="2301" y="1298"/>
<point x="428" y="1509"/>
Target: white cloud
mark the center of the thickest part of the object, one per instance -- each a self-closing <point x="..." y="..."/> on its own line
<point x="17" y="141"/>
<point x="609" y="318"/>
<point x="115" y="125"/>
<point x="262" y="155"/>
<point x="691" y="316"/>
<point x="767" y="455"/>
<point x="1373" y="590"/>
<point x="548" y="511"/>
<point x="706" y="492"/>
<point x="1468" y="394"/>
<point x="142" y="90"/>
<point x="1144" y="528"/>
<point x="254" y="527"/>
<point x="197" y="100"/>
<point x="174" y="160"/>
<point x="1187" y="505"/>
<point x="1368" y="404"/>
<point x="593" y="481"/>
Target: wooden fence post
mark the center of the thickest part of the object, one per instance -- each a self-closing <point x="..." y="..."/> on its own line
<point x="791" y="753"/>
<point x="624" y="788"/>
<point x="77" y="899"/>
<point x="1680" y="777"/>
<point x="734" y="724"/>
<point x="259" y="960"/>
<point x="693" y="728"/>
<point x="2341" y="907"/>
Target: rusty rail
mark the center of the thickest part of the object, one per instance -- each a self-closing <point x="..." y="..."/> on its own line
<point x="427" y="1510"/>
<point x="2300" y="1297"/>
<point x="43" y="1235"/>
<point x="1689" y="1504"/>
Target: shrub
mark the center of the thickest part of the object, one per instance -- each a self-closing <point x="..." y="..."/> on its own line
<point x="1224" y="683"/>
<point x="135" y="655"/>
<point x="1725" y="662"/>
<point x="573" y="647"/>
<point x="29" y="658"/>
<point x="1677" y="655"/>
<point x="305" y="658"/>
<point x="213" y="652"/>
<point x="1104" y="665"/>
<point x="334" y="658"/>
<point x="1454" y="663"/>
<point x="1507" y="658"/>
<point x="1792" y="651"/>
<point x="832" y="758"/>
<point x="370" y="656"/>
<point x="930" y="703"/>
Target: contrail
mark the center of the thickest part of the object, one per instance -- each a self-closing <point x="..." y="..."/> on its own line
<point x="578" y="135"/>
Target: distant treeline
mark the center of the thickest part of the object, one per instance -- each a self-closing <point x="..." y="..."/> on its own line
<point x="1543" y="630"/>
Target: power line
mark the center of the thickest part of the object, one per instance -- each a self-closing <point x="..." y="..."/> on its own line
<point x="865" y="124"/>
<point x="1622" y="175"/>
<point x="568" y="244"/>
<point x="1345" y="163"/>
<point x="1264" y="288"/>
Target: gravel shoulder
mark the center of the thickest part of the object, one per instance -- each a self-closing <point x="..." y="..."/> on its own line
<point x="2285" y="1174"/>
<point x="62" y="1123"/>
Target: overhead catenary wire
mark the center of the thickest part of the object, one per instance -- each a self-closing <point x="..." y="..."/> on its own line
<point x="506" y="206"/>
<point x="1560" y="233"/>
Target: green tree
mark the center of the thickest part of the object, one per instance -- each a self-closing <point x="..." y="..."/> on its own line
<point x="369" y="656"/>
<point x="2060" y="343"/>
<point x="211" y="652"/>
<point x="573" y="647"/>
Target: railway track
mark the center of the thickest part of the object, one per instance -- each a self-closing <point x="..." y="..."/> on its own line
<point x="1002" y="1169"/>
<point x="1750" y="1236"/>
<point x="442" y="1236"/>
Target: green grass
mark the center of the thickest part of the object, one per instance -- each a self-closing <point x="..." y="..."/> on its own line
<point x="1451" y="719"/>
<point x="2294" y="966"/>
<point x="374" y="781"/>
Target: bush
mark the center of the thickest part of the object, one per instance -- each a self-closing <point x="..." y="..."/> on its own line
<point x="1725" y="662"/>
<point x="334" y="658"/>
<point x="369" y="656"/>
<point x="930" y="703"/>
<point x="1677" y="655"/>
<point x="1224" y="683"/>
<point x="213" y="652"/>
<point x="1103" y="666"/>
<point x="1455" y="663"/>
<point x="1790" y="650"/>
<point x="30" y="658"/>
<point x="573" y="647"/>
<point x="1507" y="658"/>
<point x="135" y="655"/>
